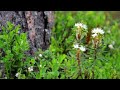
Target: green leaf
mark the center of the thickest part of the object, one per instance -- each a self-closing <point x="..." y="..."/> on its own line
<point x="49" y="75"/>
<point x="55" y="67"/>
<point x="61" y="58"/>
<point x="62" y="76"/>
<point x="56" y="74"/>
<point x="10" y="25"/>
<point x="37" y="76"/>
<point x="33" y="61"/>
<point x="22" y="76"/>
<point x="53" y="61"/>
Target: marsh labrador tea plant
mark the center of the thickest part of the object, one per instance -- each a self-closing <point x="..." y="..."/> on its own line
<point x="84" y="45"/>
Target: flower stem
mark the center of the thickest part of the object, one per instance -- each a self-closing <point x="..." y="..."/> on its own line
<point x="95" y="51"/>
<point x="95" y="54"/>
<point x="78" y="58"/>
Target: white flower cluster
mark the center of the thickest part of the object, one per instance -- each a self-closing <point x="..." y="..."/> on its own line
<point x="76" y="46"/>
<point x="111" y="46"/>
<point x="40" y="55"/>
<point x="82" y="48"/>
<point x="30" y="69"/>
<point x="97" y="31"/>
<point x="40" y="65"/>
<point x="17" y="74"/>
<point x="78" y="25"/>
<point x="5" y="77"/>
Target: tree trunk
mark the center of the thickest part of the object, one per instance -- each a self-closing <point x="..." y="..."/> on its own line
<point x="37" y="24"/>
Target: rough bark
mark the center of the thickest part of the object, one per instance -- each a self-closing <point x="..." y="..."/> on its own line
<point x="37" y="24"/>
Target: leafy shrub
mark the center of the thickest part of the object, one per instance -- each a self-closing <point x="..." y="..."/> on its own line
<point x="12" y="45"/>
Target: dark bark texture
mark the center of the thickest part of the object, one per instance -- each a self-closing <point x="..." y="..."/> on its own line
<point x="37" y="24"/>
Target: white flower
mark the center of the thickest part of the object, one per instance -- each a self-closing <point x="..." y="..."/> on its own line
<point x="108" y="31"/>
<point x="17" y="74"/>
<point x="18" y="32"/>
<point x="76" y="45"/>
<point x="78" y="25"/>
<point x="40" y="65"/>
<point x="30" y="69"/>
<point x="94" y="35"/>
<point x="35" y="57"/>
<point x="40" y="55"/>
<point x="5" y="77"/>
<point x="82" y="48"/>
<point x="113" y="42"/>
<point x="110" y="46"/>
<point x="98" y="31"/>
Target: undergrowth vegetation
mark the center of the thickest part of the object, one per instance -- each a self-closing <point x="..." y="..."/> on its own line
<point x="84" y="45"/>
